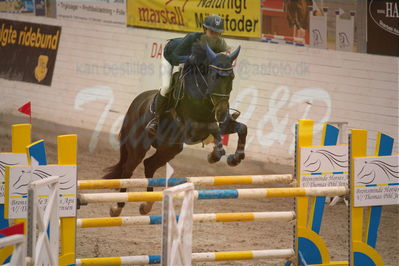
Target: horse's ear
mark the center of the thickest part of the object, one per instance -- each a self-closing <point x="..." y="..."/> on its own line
<point x="211" y="54"/>
<point x="234" y="55"/>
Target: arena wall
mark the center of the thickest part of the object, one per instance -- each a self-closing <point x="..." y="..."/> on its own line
<point x="100" y="69"/>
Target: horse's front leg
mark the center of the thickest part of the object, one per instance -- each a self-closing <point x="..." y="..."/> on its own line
<point x="218" y="150"/>
<point x="231" y="126"/>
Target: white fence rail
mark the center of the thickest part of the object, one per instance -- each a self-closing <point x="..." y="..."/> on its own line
<point x="18" y="257"/>
<point x="177" y="235"/>
<point x="43" y="245"/>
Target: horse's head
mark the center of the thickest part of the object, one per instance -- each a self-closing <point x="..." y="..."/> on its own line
<point x="220" y="77"/>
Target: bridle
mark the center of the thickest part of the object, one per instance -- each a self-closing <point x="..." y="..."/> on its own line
<point x="212" y="95"/>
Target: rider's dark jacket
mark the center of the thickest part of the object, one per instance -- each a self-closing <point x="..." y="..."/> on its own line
<point x="178" y="50"/>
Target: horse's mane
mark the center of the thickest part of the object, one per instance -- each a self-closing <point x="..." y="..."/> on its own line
<point x="199" y="57"/>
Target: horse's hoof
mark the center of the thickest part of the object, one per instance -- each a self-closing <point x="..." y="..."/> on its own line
<point x="231" y="160"/>
<point x="143" y="210"/>
<point x="115" y="211"/>
<point x="213" y="159"/>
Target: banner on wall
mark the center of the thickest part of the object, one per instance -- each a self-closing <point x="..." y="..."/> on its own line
<point x="28" y="51"/>
<point x="383" y="27"/>
<point x="111" y="12"/>
<point x="242" y="18"/>
<point x="17" y="6"/>
<point x="40" y="7"/>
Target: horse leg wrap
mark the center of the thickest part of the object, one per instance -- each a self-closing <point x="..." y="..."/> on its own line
<point x="236" y="158"/>
<point x="240" y="153"/>
<point x="216" y="154"/>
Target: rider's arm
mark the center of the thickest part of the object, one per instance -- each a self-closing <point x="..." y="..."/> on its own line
<point x="183" y="50"/>
<point x="224" y="48"/>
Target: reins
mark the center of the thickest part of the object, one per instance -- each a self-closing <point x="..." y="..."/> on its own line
<point x="211" y="96"/>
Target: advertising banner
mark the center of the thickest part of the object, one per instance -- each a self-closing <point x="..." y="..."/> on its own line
<point x="383" y="27"/>
<point x="112" y="12"/>
<point x="17" y="6"/>
<point x="28" y="51"/>
<point x="241" y="18"/>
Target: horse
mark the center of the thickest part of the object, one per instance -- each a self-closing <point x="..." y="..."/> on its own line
<point x="200" y="110"/>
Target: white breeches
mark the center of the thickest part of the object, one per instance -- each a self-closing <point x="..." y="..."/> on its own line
<point x="166" y="76"/>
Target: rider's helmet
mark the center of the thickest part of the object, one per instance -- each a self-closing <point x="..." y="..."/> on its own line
<point x="214" y="23"/>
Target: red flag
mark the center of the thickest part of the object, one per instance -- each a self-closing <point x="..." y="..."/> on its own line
<point x="225" y="140"/>
<point x="26" y="109"/>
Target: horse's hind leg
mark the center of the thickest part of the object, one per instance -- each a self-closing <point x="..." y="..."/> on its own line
<point x="133" y="160"/>
<point x="163" y="155"/>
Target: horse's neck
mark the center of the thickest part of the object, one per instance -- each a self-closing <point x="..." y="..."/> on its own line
<point x="195" y="104"/>
<point x="194" y="82"/>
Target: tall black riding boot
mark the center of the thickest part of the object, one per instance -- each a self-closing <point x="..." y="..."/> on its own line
<point x="160" y="107"/>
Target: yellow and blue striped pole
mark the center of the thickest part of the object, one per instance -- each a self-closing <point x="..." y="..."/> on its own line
<point x="255" y="193"/>
<point x="197" y="181"/>
<point x="196" y="257"/>
<point x="200" y="218"/>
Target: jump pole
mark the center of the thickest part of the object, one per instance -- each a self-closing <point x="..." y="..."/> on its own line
<point x="256" y="193"/>
<point x="197" y="181"/>
<point x="196" y="257"/>
<point x="199" y="218"/>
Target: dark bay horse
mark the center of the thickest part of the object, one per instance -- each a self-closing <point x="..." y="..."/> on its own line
<point x="201" y="110"/>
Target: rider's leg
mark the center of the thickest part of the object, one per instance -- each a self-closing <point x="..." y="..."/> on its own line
<point x="161" y="99"/>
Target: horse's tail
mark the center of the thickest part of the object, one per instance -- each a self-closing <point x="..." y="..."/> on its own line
<point x="128" y="129"/>
<point x="115" y="171"/>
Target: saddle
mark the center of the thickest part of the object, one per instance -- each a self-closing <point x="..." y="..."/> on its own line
<point x="175" y="95"/>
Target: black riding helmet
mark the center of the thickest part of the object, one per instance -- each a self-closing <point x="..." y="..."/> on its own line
<point x="214" y="23"/>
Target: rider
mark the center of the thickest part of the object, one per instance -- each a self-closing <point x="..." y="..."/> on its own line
<point x="177" y="51"/>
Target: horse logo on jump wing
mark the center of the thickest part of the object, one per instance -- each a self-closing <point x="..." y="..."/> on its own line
<point x="21" y="183"/>
<point x="3" y="165"/>
<point x="321" y="159"/>
<point x="343" y="40"/>
<point x="377" y="171"/>
<point x="317" y="38"/>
